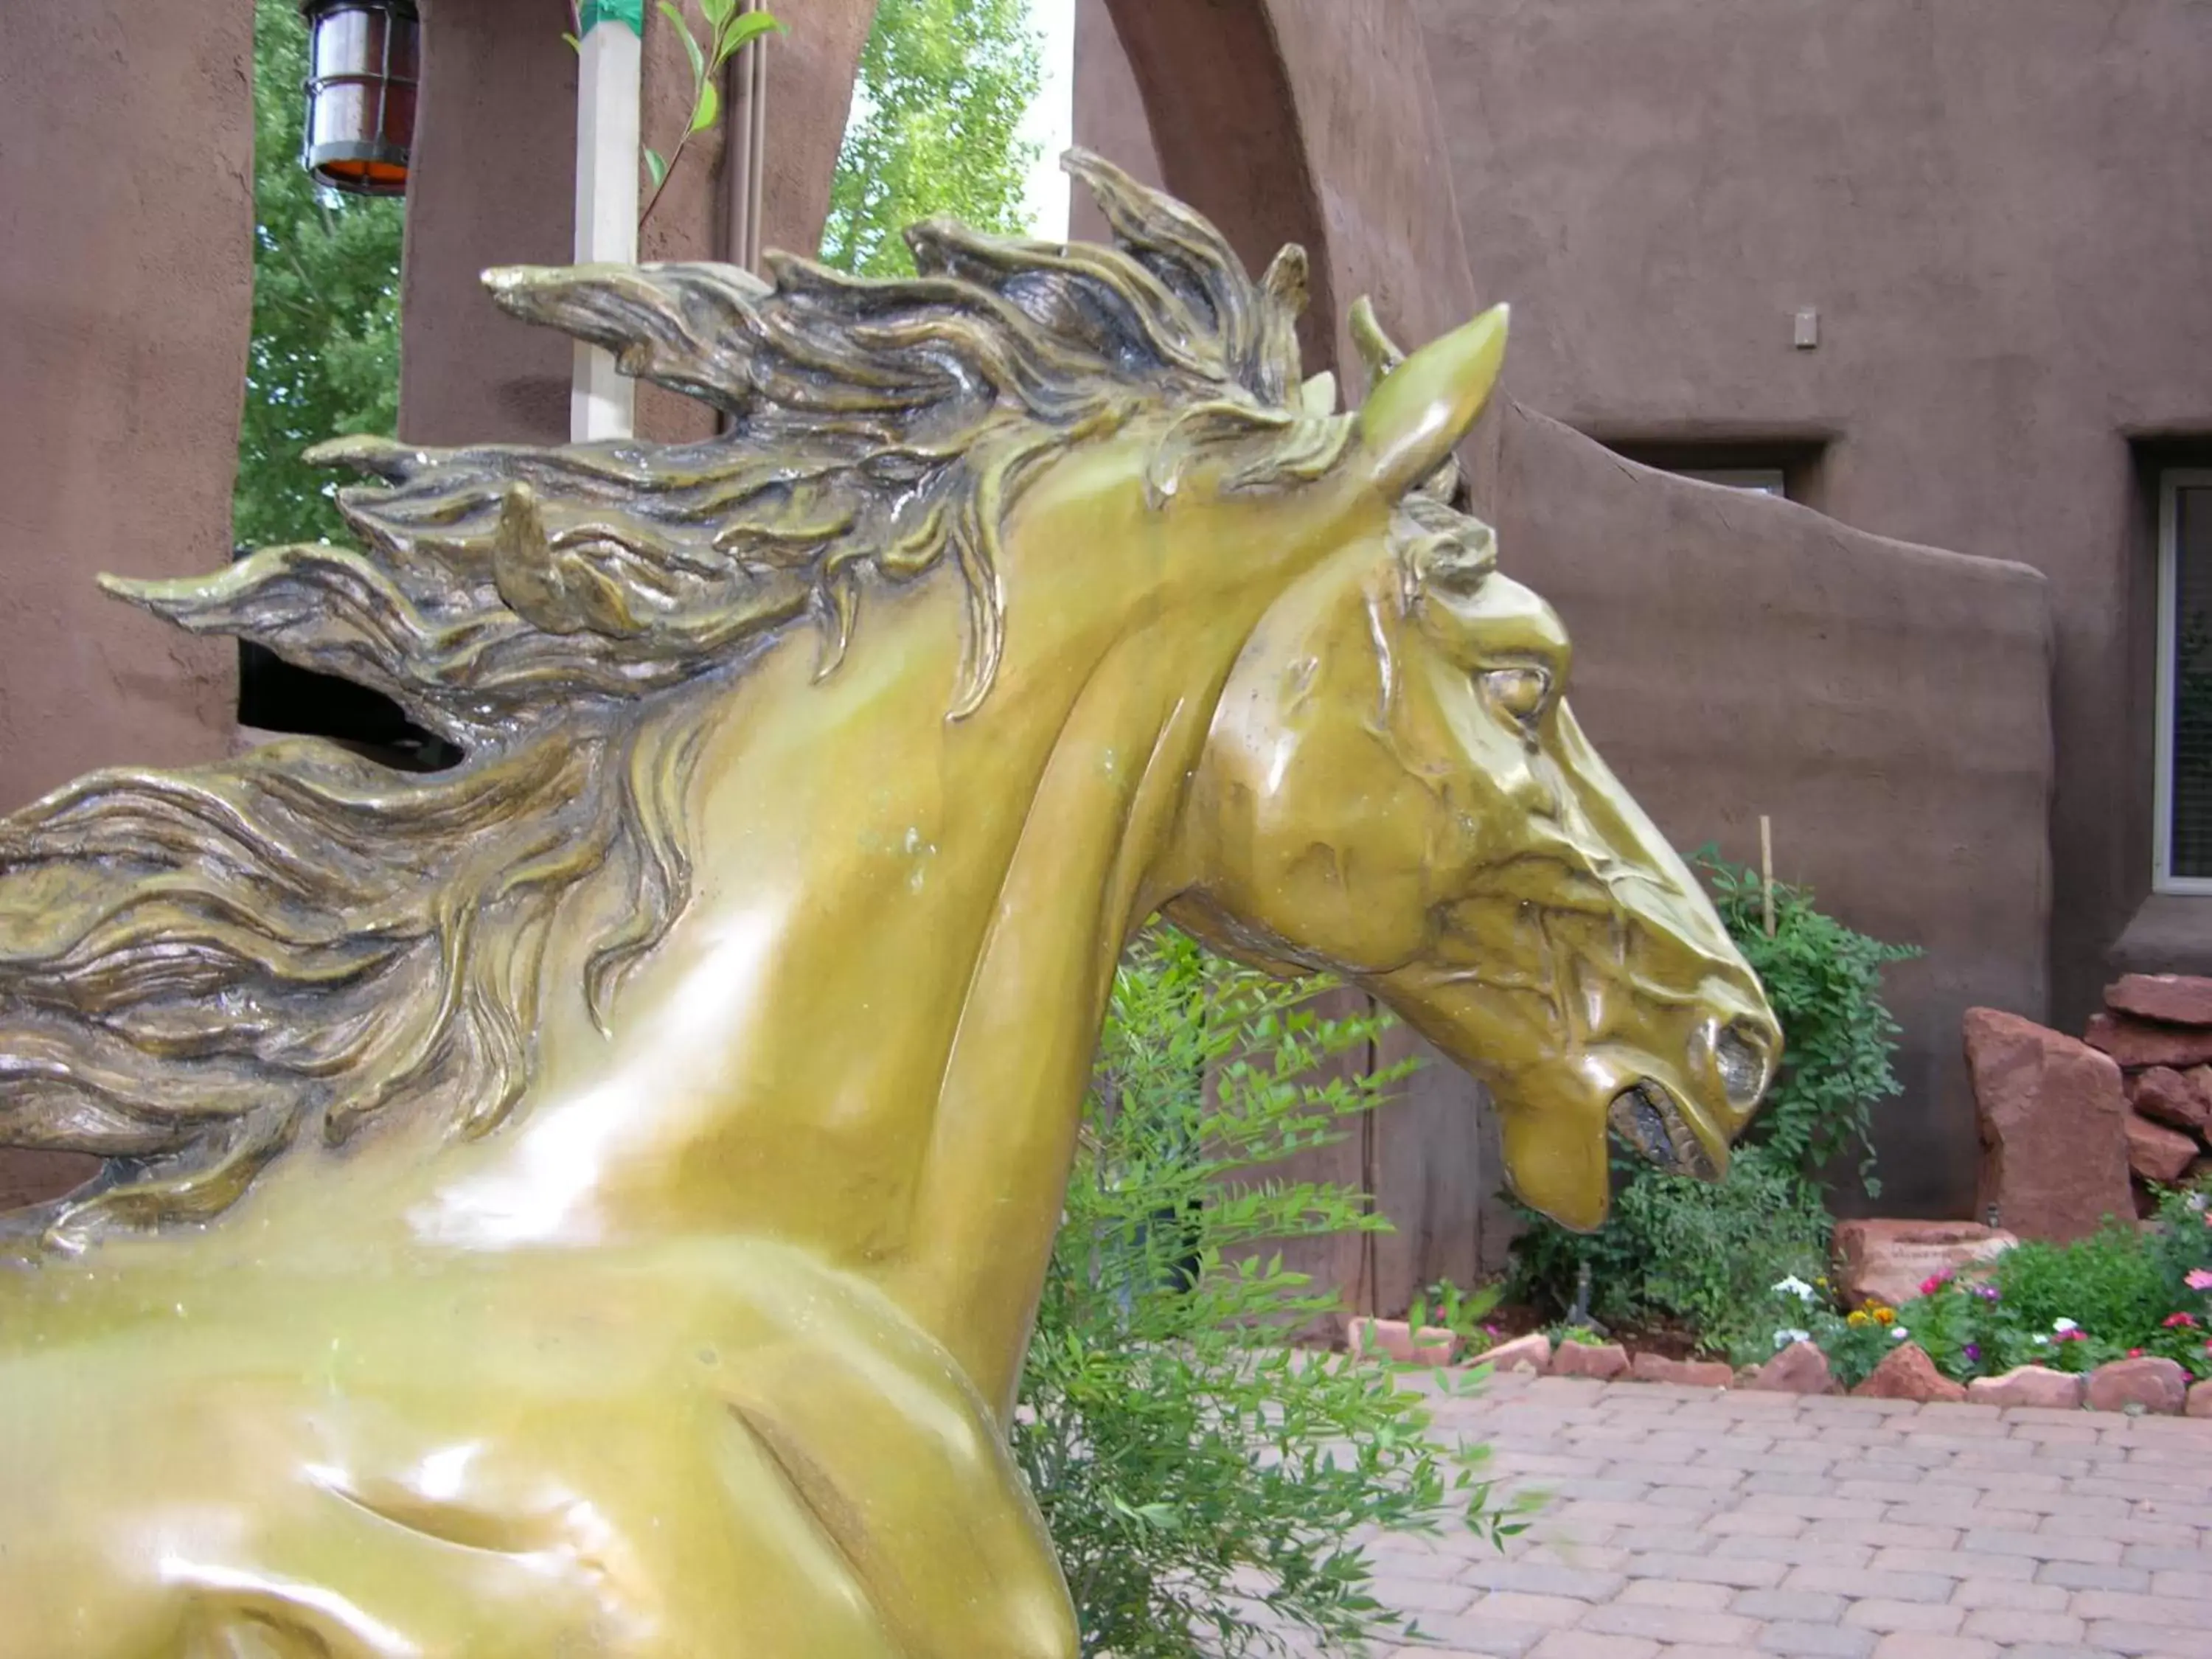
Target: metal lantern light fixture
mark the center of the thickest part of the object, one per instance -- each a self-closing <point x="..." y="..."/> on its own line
<point x="364" y="57"/>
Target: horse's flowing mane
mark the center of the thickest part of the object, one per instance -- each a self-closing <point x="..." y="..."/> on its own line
<point x="201" y="969"/>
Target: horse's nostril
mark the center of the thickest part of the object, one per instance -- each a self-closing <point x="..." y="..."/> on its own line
<point x="1743" y="1058"/>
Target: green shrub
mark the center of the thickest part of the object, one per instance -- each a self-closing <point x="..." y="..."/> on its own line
<point x="1206" y="1482"/>
<point x="1678" y="1250"/>
<point x="1707" y="1256"/>
<point x="1713" y="1251"/>
<point x="1824" y="981"/>
<point x="2109" y="1281"/>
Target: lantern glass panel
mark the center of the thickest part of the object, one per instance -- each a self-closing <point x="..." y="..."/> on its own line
<point x="364" y="57"/>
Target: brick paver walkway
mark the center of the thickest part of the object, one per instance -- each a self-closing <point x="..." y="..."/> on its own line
<point x="1696" y="1524"/>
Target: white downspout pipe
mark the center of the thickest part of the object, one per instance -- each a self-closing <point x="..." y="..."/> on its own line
<point x="602" y="402"/>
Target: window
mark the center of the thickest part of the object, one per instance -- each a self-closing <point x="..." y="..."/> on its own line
<point x="1789" y="469"/>
<point x="1760" y="480"/>
<point x="2183" y="829"/>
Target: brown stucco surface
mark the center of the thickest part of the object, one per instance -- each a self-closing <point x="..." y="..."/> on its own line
<point x="810" y="93"/>
<point x="126" y="213"/>
<point x="1885" y="704"/>
<point x="1306" y="121"/>
<point x="1997" y="208"/>
<point x="2171" y="934"/>
<point x="492" y="183"/>
<point x="1110" y="113"/>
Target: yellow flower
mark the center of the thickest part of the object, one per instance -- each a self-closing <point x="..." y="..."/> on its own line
<point x="1886" y="1315"/>
<point x="1857" y="1316"/>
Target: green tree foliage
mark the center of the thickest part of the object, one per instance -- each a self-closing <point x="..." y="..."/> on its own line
<point x="324" y="358"/>
<point x="1207" y="1484"/>
<point x="944" y="86"/>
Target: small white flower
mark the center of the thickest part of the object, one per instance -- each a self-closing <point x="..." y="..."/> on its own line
<point x="1795" y="1286"/>
<point x="1898" y="1333"/>
<point x="1786" y="1335"/>
<point x="2196" y="1202"/>
<point x="2062" y="1325"/>
<point x="2041" y="1341"/>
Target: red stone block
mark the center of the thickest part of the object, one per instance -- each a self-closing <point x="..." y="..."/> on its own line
<point x="1429" y="1345"/>
<point x="1889" y="1261"/>
<point x="2156" y="1152"/>
<point x="2174" y="1098"/>
<point x="1532" y="1352"/>
<point x="2053" y="1121"/>
<point x="1602" y="1360"/>
<point x="2152" y="1383"/>
<point x="1685" y="1373"/>
<point x="1907" y="1373"/>
<point x="2175" y="999"/>
<point x="2135" y="1042"/>
<point x="1801" y="1368"/>
<point x="2028" y="1385"/>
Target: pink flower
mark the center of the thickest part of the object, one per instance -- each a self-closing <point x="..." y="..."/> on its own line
<point x="2135" y="1353"/>
<point x="2180" y="1320"/>
<point x="2200" y="1278"/>
<point x="1933" y="1283"/>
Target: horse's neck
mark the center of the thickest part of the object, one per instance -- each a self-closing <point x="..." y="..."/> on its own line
<point x="869" y="1032"/>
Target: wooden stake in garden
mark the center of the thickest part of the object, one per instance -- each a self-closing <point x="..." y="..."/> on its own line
<point x="1766" y="872"/>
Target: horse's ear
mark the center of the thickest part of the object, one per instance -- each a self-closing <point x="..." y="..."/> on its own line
<point x="1423" y="407"/>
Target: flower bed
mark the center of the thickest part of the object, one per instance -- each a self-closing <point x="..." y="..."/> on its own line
<point x="2126" y="1293"/>
<point x="2119" y="1321"/>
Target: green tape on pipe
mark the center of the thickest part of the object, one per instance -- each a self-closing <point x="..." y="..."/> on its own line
<point x="630" y="14"/>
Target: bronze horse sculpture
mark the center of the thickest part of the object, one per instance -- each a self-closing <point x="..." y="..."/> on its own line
<point x="592" y="1199"/>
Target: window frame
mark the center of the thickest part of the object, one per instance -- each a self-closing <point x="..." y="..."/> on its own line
<point x="1772" y="480"/>
<point x="2171" y="483"/>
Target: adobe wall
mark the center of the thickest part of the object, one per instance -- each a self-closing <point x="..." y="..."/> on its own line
<point x="493" y="182"/>
<point x="1305" y="121"/>
<point x="1844" y="684"/>
<point x="1737" y="655"/>
<point x="126" y="219"/>
<point x="126" y="215"/>
<point x="1997" y="207"/>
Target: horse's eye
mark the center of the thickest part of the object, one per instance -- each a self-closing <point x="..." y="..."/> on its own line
<point x="1519" y="694"/>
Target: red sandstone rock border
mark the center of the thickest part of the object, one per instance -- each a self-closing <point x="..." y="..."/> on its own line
<point x="2148" y="1385"/>
<point x="2073" y="1133"/>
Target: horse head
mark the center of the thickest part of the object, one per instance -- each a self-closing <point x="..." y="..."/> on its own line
<point x="1394" y="787"/>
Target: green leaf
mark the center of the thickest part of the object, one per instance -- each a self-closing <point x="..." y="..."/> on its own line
<point x="653" y="165"/>
<point x="691" y="48"/>
<point x="709" y="108"/>
<point x="574" y="44"/>
<point x="744" y="31"/>
<point x="718" y="12"/>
